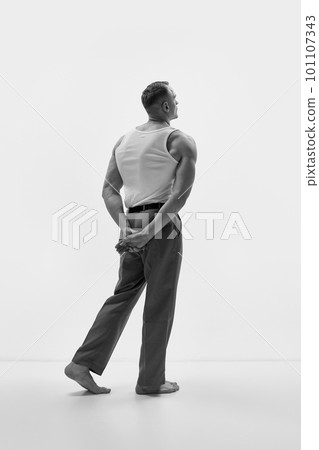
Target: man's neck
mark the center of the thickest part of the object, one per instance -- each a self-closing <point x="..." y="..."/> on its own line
<point x="155" y="120"/>
<point x="154" y="124"/>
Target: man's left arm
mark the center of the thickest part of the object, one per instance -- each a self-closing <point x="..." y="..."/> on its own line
<point x="111" y="190"/>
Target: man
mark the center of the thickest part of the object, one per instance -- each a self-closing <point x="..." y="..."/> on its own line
<point x="156" y="165"/>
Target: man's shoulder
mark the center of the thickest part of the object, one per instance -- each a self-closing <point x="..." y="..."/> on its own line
<point x="179" y="136"/>
<point x="122" y="139"/>
<point x="179" y="140"/>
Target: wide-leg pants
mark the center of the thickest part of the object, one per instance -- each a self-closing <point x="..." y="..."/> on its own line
<point x="157" y="267"/>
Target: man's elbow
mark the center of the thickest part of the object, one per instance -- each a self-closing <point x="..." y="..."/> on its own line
<point x="108" y="191"/>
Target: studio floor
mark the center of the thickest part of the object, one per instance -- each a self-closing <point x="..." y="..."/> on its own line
<point x="220" y="406"/>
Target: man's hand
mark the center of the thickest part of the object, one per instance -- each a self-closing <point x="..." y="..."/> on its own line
<point x="123" y="248"/>
<point x="125" y="231"/>
<point x="133" y="242"/>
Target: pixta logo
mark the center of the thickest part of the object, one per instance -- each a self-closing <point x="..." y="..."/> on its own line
<point x="67" y="223"/>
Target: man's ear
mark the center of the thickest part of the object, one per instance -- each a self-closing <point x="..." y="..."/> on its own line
<point x="165" y="106"/>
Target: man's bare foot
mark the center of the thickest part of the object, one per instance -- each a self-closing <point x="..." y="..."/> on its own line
<point x="81" y="375"/>
<point x="167" y="388"/>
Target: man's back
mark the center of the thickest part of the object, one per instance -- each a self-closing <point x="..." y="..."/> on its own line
<point x="146" y="166"/>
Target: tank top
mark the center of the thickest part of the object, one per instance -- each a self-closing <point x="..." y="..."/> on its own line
<point x="146" y="166"/>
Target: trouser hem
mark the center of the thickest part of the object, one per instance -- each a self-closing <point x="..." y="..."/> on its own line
<point x="90" y="364"/>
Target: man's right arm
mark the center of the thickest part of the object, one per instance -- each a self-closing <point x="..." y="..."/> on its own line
<point x="184" y="179"/>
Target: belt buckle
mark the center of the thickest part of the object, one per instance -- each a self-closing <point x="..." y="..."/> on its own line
<point x="143" y="207"/>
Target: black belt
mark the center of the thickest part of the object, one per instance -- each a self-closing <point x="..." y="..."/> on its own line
<point x="143" y="207"/>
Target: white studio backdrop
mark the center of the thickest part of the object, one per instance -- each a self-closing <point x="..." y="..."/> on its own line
<point x="71" y="78"/>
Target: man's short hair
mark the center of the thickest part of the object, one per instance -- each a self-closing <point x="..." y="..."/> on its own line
<point x="153" y="92"/>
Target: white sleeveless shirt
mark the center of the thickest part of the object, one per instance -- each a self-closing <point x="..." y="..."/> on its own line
<point x="146" y="166"/>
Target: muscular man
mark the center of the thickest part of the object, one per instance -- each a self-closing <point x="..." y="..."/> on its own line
<point x="156" y="165"/>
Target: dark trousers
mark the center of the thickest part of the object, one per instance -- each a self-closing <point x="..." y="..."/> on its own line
<point x="157" y="266"/>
